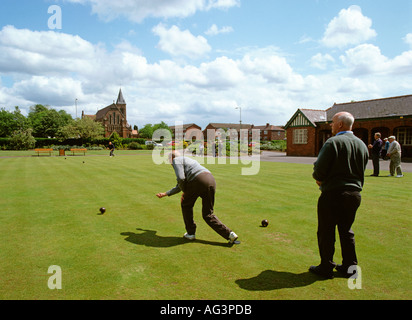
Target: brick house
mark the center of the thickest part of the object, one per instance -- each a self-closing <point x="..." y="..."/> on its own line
<point x="269" y="132"/>
<point x="190" y="131"/>
<point x="227" y="126"/>
<point x="113" y="118"/>
<point x="308" y="129"/>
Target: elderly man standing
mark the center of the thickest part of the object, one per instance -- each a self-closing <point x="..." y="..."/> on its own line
<point x="339" y="172"/>
<point x="376" y="148"/>
<point x="394" y="153"/>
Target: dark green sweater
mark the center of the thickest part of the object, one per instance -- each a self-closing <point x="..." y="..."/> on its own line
<point x="341" y="163"/>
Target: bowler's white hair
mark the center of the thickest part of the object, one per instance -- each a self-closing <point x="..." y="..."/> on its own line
<point x="346" y="118"/>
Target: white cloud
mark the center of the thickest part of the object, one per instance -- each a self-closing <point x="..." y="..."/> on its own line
<point x="138" y="10"/>
<point x="367" y="59"/>
<point x="350" y="27"/>
<point x="219" y="74"/>
<point x="408" y="39"/>
<point x="321" y="61"/>
<point x="181" y="43"/>
<point x="54" y="90"/>
<point x="214" y="30"/>
<point x="272" y="68"/>
<point x="36" y="52"/>
<point x="222" y="4"/>
<point x="305" y="39"/>
<point x="357" y="87"/>
<point x="364" y="59"/>
<point x="402" y="64"/>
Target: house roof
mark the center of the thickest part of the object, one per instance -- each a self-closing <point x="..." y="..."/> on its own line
<point x="305" y="117"/>
<point x="269" y="127"/>
<point x="378" y="108"/>
<point x="314" y="115"/>
<point x="186" y="126"/>
<point x="235" y="126"/>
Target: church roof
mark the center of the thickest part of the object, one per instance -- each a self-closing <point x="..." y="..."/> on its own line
<point x="102" y="112"/>
<point x="120" y="99"/>
<point x="114" y="106"/>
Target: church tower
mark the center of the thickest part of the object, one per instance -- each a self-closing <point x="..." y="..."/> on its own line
<point x="121" y="103"/>
<point x="113" y="118"/>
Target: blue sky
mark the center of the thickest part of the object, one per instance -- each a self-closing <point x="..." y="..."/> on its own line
<point x="196" y="61"/>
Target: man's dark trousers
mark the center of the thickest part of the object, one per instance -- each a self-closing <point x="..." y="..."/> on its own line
<point x="375" y="161"/>
<point x="337" y="208"/>
<point x="204" y="186"/>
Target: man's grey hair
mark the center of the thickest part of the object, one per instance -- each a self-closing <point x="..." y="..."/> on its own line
<point x="347" y="119"/>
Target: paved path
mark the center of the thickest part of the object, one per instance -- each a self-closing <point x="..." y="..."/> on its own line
<point x="281" y="157"/>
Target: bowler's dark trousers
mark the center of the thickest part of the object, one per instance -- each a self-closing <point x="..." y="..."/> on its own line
<point x="337" y="208"/>
<point x="375" y="162"/>
<point x="203" y="186"/>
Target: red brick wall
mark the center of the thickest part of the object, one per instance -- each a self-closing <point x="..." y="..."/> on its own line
<point x="274" y="135"/>
<point x="308" y="150"/>
<point x="391" y="125"/>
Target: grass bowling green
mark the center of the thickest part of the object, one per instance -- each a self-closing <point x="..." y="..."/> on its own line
<point x="135" y="250"/>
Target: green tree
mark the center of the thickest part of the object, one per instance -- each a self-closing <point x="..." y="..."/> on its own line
<point x="89" y="129"/>
<point x="36" y="115"/>
<point x="47" y="122"/>
<point x="84" y="128"/>
<point x="148" y="130"/>
<point x="161" y="125"/>
<point x="22" y="140"/>
<point x="21" y="122"/>
<point x="12" y="121"/>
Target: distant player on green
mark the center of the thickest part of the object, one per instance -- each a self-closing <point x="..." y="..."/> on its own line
<point x="111" y="148"/>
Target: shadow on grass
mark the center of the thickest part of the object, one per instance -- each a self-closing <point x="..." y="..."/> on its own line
<point x="274" y="280"/>
<point x="149" y="238"/>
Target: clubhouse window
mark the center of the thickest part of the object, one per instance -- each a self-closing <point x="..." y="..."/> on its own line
<point x="300" y="136"/>
<point x="404" y="136"/>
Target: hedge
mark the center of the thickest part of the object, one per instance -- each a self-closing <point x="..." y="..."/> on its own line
<point x="67" y="143"/>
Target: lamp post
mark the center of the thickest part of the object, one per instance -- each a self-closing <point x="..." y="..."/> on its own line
<point x="240" y="121"/>
<point x="75" y="102"/>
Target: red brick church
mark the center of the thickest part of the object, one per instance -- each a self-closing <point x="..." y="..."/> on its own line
<point x="113" y="118"/>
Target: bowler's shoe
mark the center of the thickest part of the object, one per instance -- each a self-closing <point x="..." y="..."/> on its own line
<point x="232" y="237"/>
<point x="344" y="271"/>
<point x="327" y="274"/>
<point x="190" y="237"/>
